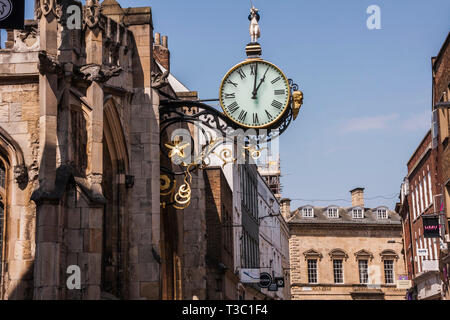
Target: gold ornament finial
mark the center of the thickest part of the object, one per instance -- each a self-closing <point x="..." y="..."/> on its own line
<point x="255" y="30"/>
<point x="253" y="49"/>
<point x="297" y="97"/>
<point x="176" y="148"/>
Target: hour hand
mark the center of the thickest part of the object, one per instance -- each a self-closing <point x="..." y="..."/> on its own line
<point x="254" y="83"/>
<point x="260" y="83"/>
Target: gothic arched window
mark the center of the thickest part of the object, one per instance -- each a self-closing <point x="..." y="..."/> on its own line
<point x="3" y="180"/>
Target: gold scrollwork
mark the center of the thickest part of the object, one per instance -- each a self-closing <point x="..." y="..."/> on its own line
<point x="165" y="184"/>
<point x="254" y="152"/>
<point x="181" y="198"/>
<point x="226" y="155"/>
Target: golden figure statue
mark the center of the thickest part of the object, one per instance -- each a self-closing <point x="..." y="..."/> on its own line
<point x="298" y="101"/>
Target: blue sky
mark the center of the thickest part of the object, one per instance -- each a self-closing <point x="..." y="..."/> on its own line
<point x="367" y="92"/>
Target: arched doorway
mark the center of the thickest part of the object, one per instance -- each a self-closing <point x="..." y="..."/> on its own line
<point x="3" y="214"/>
<point x="111" y="229"/>
<point x="115" y="167"/>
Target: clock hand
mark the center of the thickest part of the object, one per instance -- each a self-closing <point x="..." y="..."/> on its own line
<point x="260" y="83"/>
<point x="254" y="83"/>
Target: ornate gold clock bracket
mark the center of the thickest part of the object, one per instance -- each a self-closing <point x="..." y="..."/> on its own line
<point x="176" y="113"/>
<point x="185" y="157"/>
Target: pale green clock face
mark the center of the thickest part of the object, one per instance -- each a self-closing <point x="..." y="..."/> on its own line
<point x="255" y="94"/>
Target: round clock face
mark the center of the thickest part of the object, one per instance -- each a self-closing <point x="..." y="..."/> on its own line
<point x="254" y="94"/>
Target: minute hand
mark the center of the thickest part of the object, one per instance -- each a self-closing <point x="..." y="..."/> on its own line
<point x="260" y="83"/>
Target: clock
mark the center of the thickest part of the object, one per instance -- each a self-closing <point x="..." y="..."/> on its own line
<point x="255" y="94"/>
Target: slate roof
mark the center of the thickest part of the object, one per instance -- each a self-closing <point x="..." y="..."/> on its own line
<point x="345" y="217"/>
<point x="176" y="84"/>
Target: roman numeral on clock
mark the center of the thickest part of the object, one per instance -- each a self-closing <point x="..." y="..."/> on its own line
<point x="275" y="80"/>
<point x="242" y="115"/>
<point x="279" y="92"/>
<point x="233" y="107"/>
<point x="255" y="118"/>
<point x="241" y="73"/>
<point x="252" y="69"/>
<point x="276" y="104"/>
<point x="230" y="95"/>
<point x="231" y="82"/>
<point x="269" y="115"/>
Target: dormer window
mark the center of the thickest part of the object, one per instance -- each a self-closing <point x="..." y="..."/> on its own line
<point x="357" y="213"/>
<point x="333" y="213"/>
<point x="382" y="213"/>
<point x="308" y="212"/>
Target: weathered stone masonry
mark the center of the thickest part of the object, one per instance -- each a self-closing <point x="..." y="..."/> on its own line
<point x="79" y="133"/>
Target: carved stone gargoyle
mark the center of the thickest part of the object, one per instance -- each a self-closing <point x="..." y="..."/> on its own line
<point x="21" y="175"/>
<point x="98" y="73"/>
<point x="48" y="64"/>
<point x="160" y="80"/>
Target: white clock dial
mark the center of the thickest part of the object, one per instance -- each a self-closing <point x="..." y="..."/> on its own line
<point x="254" y="94"/>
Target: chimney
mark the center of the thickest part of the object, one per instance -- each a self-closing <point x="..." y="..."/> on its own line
<point x="161" y="50"/>
<point x="9" y="43"/>
<point x="285" y="208"/>
<point x="157" y="38"/>
<point x="357" y="197"/>
<point x="165" y="40"/>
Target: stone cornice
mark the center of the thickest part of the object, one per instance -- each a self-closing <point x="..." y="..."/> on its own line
<point x="343" y="226"/>
<point x="19" y="78"/>
<point x="65" y="175"/>
<point x="340" y="285"/>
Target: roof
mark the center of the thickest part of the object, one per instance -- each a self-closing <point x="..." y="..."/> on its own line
<point x="438" y="58"/>
<point x="176" y="85"/>
<point x="345" y="217"/>
<point x="418" y="147"/>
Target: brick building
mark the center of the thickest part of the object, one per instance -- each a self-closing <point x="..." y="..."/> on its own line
<point x="425" y="193"/>
<point x="441" y="127"/>
<point x="418" y="200"/>
<point x="345" y="253"/>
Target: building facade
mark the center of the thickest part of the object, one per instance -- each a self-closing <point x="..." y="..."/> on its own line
<point x="273" y="240"/>
<point x="79" y="146"/>
<point x="418" y="194"/>
<point x="441" y="127"/>
<point x="424" y="194"/>
<point x="345" y="253"/>
<point x="81" y="168"/>
<point x="262" y="237"/>
<point x="222" y="280"/>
